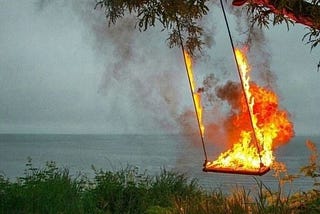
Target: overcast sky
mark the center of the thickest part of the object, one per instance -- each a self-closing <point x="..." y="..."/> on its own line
<point x="63" y="71"/>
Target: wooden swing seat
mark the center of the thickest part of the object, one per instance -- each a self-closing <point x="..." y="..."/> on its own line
<point x="239" y="170"/>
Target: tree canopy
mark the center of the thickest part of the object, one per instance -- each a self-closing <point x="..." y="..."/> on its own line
<point x="182" y="18"/>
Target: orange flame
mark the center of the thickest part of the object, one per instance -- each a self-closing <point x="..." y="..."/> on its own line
<point x="196" y="95"/>
<point x="269" y="126"/>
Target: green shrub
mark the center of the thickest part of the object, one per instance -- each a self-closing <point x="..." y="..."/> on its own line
<point x="124" y="191"/>
<point x="170" y="186"/>
<point x="47" y="190"/>
<point x="52" y="190"/>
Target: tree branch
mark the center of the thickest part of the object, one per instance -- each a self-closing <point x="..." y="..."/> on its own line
<point x="299" y="11"/>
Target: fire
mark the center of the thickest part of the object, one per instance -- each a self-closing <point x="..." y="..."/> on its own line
<point x="195" y="94"/>
<point x="263" y="126"/>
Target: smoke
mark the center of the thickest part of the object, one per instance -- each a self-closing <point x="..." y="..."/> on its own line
<point x="122" y="36"/>
<point x="112" y="42"/>
<point x="223" y="128"/>
<point x="139" y="69"/>
<point x="152" y="87"/>
<point x="229" y="115"/>
<point x="253" y="38"/>
<point x="148" y="80"/>
<point x="230" y="92"/>
<point x="140" y="77"/>
<point x="42" y="4"/>
<point x="261" y="56"/>
<point x="225" y="114"/>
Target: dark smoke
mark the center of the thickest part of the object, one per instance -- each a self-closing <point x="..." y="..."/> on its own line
<point x="230" y="92"/>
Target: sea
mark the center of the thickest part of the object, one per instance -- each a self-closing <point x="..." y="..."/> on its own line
<point x="147" y="153"/>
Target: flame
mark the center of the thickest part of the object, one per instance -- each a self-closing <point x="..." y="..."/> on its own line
<point x="263" y="125"/>
<point x="196" y="94"/>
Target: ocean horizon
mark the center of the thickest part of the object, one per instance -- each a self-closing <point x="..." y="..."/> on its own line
<point x="146" y="152"/>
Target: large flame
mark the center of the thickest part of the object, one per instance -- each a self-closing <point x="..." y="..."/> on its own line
<point x="263" y="125"/>
<point x="195" y="93"/>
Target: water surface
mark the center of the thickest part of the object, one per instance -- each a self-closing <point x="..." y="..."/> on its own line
<point x="147" y="152"/>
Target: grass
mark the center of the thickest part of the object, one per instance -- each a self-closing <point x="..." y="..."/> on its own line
<point x="52" y="190"/>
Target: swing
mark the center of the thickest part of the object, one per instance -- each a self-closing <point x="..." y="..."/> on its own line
<point x="208" y="165"/>
<point x="261" y="171"/>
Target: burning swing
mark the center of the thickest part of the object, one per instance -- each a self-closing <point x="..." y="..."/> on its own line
<point x="252" y="155"/>
<point x="249" y="156"/>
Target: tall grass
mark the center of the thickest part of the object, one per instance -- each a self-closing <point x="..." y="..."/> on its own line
<point x="51" y="189"/>
<point x="46" y="190"/>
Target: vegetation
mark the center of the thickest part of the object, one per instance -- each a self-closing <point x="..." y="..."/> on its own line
<point x="179" y="17"/>
<point x="183" y="19"/>
<point x="52" y="190"/>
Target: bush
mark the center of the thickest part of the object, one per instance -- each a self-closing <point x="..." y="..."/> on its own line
<point x="47" y="190"/>
<point x="124" y="191"/>
<point x="52" y="190"/>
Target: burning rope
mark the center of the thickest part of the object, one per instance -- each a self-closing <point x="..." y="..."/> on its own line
<point x="192" y="90"/>
<point x="192" y="94"/>
<point x="241" y="80"/>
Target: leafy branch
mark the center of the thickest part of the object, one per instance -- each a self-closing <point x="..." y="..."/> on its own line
<point x="172" y="15"/>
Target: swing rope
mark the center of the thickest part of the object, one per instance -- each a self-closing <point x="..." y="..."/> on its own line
<point x="241" y="80"/>
<point x="192" y="93"/>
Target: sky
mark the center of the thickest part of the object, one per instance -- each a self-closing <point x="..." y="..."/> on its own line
<point x="62" y="70"/>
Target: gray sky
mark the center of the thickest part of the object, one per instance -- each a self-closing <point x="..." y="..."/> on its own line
<point x="62" y="71"/>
